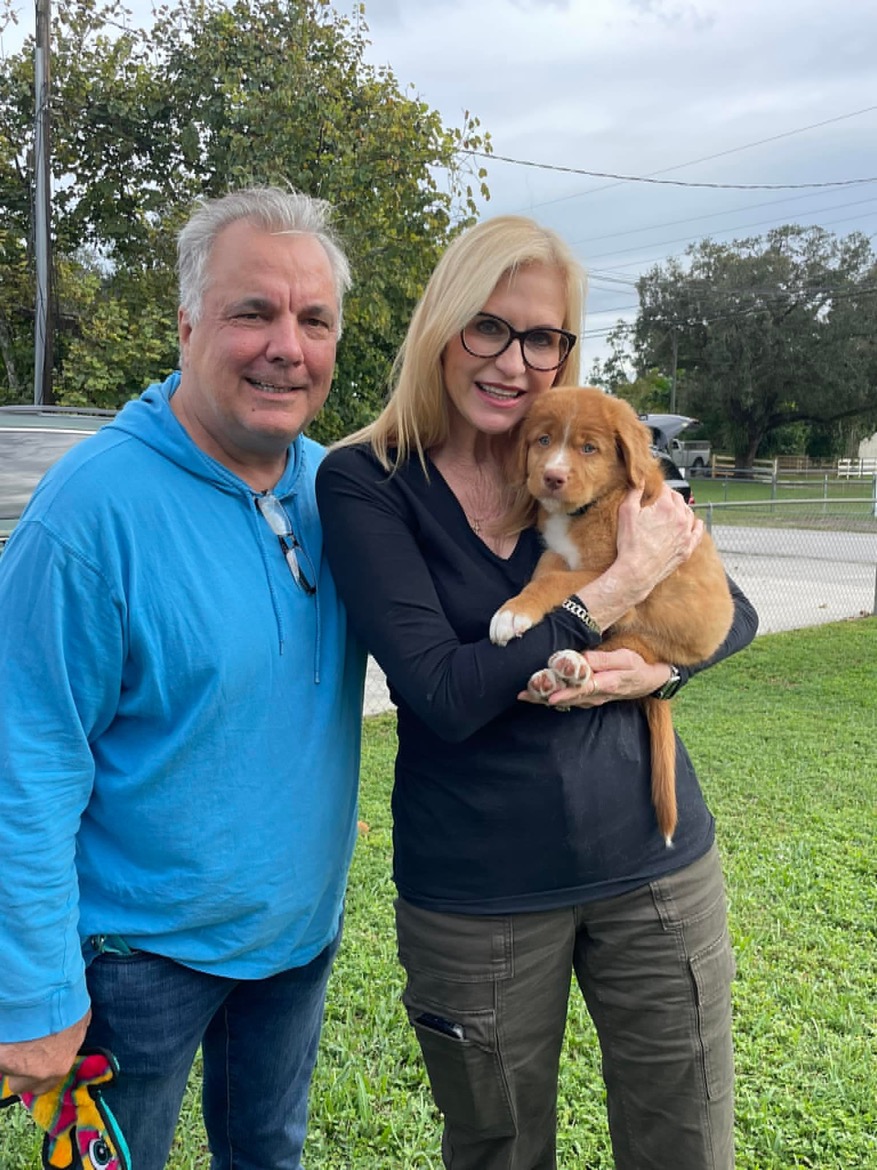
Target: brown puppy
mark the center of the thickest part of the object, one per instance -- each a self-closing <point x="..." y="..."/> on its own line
<point x="581" y="453"/>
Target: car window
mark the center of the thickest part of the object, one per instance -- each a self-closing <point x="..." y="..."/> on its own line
<point x="24" y="458"/>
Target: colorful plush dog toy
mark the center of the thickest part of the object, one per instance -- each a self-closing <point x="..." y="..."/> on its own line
<point x="81" y="1132"/>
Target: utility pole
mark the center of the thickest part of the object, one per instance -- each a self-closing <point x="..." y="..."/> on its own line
<point x="675" y="340"/>
<point x="42" y="388"/>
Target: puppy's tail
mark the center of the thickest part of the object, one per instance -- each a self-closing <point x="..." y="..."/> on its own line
<point x="660" y="720"/>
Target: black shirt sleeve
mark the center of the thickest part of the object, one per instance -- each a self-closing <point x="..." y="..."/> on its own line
<point x="743" y="630"/>
<point x="420" y="590"/>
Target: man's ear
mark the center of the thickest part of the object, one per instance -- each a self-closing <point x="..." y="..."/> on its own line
<point x="184" y="330"/>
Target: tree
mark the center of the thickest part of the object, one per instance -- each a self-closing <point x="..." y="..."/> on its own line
<point x="768" y="333"/>
<point x="16" y="280"/>
<point x="211" y="98"/>
<point x="615" y="369"/>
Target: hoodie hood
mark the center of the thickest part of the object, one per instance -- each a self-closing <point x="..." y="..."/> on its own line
<point x="150" y="420"/>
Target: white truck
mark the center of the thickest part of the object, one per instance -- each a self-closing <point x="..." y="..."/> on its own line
<point x="692" y="456"/>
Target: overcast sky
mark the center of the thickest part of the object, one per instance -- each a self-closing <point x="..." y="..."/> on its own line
<point x="748" y="92"/>
<point x="752" y="93"/>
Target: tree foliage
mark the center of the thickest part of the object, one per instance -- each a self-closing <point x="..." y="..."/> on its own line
<point x="769" y="337"/>
<point x="213" y="97"/>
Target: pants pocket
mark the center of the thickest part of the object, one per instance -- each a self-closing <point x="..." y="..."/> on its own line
<point x="454" y="966"/>
<point x="464" y="1065"/>
<point x="712" y="971"/>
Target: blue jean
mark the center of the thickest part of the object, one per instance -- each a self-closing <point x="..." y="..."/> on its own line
<point x="259" y="1040"/>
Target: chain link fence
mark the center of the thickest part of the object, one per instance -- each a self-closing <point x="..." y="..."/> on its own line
<point x="800" y="562"/>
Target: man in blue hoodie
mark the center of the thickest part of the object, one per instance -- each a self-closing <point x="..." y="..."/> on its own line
<point x="180" y="715"/>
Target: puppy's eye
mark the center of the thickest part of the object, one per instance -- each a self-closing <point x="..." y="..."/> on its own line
<point x="544" y="440"/>
<point x="588" y="448"/>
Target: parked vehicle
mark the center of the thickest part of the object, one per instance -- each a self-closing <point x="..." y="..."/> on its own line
<point x="32" y="438"/>
<point x="692" y="455"/>
<point x="674" y="477"/>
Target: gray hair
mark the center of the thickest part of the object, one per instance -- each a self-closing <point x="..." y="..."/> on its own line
<point x="273" y="210"/>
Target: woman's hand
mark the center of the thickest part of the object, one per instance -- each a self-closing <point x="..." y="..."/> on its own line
<point x="651" y="542"/>
<point x="655" y="540"/>
<point x="615" y="674"/>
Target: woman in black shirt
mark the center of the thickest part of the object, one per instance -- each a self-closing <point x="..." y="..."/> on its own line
<point x="525" y="843"/>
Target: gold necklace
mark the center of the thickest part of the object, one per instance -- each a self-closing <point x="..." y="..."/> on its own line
<point x="479" y="524"/>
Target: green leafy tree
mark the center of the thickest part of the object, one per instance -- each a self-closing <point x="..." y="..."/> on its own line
<point x="768" y="333"/>
<point x="615" y="368"/>
<point x="16" y="281"/>
<point x="647" y="394"/>
<point x="211" y="98"/>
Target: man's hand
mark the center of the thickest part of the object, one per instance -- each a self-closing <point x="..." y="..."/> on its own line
<point x="35" y="1066"/>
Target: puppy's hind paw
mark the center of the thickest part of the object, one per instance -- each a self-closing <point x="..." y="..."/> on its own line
<point x="571" y="667"/>
<point x="506" y="624"/>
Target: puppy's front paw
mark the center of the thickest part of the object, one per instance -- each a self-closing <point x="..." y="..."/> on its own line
<point x="506" y="624"/>
<point x="543" y="683"/>
<point x="571" y="667"/>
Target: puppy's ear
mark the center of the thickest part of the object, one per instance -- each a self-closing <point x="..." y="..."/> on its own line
<point x="634" y="446"/>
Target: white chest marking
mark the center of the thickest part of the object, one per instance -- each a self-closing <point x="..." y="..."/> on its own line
<point x="555" y="533"/>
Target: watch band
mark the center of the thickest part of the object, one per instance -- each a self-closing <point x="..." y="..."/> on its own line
<point x="671" y="686"/>
<point x="578" y="609"/>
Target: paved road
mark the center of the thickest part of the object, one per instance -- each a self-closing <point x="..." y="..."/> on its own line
<point x="798" y="578"/>
<point x="794" y="578"/>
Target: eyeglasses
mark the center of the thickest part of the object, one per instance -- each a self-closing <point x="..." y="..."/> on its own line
<point x="542" y="349"/>
<point x="278" y="521"/>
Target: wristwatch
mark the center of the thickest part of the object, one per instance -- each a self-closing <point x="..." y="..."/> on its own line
<point x="671" y="686"/>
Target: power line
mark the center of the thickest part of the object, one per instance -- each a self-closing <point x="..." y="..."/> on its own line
<point x="720" y="154"/>
<point x="522" y="162"/>
<point x="717" y="295"/>
<point x="764" y="141"/>
<point x="641" y="261"/>
<point x="719" y="232"/>
<point x="715" y="215"/>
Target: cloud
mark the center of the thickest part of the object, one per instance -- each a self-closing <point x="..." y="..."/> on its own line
<point x="750" y="92"/>
<point x="652" y="87"/>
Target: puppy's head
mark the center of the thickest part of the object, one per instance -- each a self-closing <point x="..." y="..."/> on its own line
<point x="577" y="444"/>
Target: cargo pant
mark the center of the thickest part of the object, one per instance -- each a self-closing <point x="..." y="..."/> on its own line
<point x="488" y="998"/>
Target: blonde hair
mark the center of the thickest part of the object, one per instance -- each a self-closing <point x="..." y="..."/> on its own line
<point x="416" y="415"/>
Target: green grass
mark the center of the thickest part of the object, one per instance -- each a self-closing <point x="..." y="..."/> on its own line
<point x="788" y="487"/>
<point x="783" y="737"/>
<point x="839" y="504"/>
<point x="794" y="488"/>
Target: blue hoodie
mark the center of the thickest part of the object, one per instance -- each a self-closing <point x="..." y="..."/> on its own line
<point x="179" y="721"/>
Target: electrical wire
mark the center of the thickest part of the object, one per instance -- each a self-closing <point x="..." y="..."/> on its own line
<point x="521" y="162"/>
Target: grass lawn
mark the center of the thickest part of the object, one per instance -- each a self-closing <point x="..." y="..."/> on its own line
<point x="835" y="504"/>
<point x="790" y="484"/>
<point x="784" y="738"/>
<point x="789" y="487"/>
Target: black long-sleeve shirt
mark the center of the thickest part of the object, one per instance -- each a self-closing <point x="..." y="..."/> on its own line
<point x="499" y="806"/>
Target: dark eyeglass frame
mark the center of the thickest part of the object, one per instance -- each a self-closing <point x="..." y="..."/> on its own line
<point x="278" y="521"/>
<point x="520" y="335"/>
